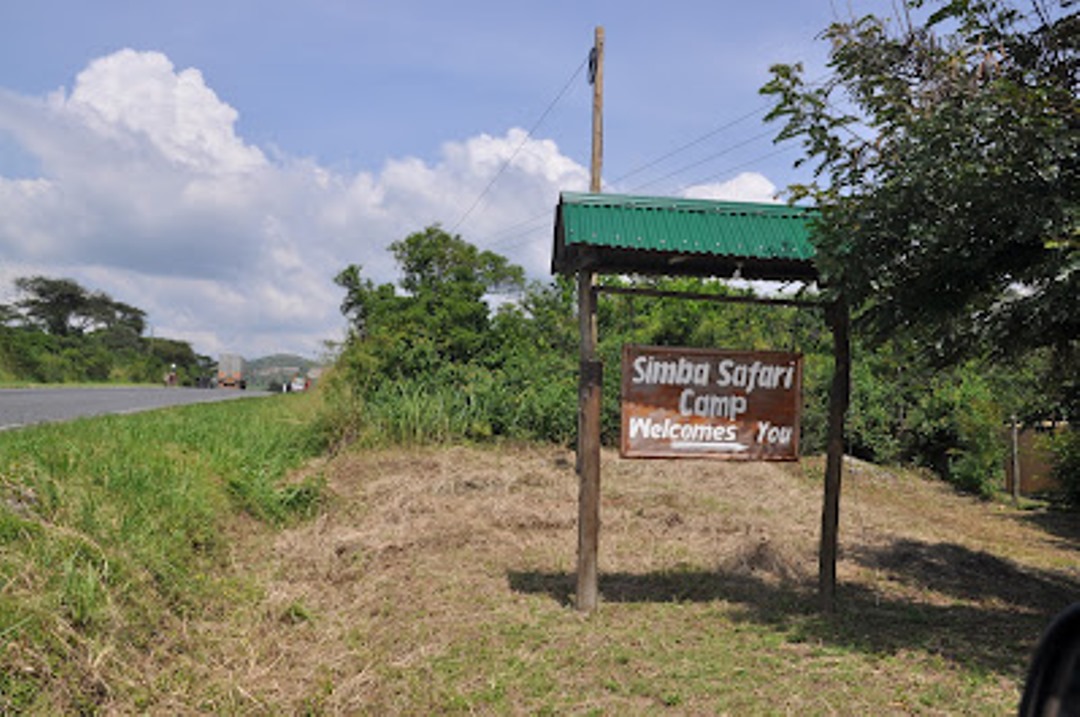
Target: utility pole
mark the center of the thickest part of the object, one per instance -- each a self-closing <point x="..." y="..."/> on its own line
<point x="596" y="77"/>
<point x="590" y="379"/>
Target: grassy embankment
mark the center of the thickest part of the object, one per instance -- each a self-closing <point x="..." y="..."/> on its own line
<point x="115" y="532"/>
<point x="439" y="580"/>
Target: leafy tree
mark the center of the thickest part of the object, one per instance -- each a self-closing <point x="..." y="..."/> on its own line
<point x="544" y="320"/>
<point x="946" y="171"/>
<point x="8" y="315"/>
<point x="429" y="359"/>
<point x="1066" y="449"/>
<point x="62" y="307"/>
<point x="104" y="313"/>
<point x="58" y="331"/>
<point x="955" y="428"/>
<point x="433" y="261"/>
<point x="443" y="317"/>
<point x="945" y="155"/>
<point x="50" y="304"/>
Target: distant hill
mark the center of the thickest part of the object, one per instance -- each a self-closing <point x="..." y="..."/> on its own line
<point x="272" y="371"/>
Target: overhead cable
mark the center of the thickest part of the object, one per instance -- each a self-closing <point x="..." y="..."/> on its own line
<point x="691" y="143"/>
<point x="514" y="154"/>
<point x="705" y="160"/>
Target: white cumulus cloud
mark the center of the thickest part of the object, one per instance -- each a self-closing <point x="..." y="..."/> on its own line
<point x="746" y="187"/>
<point x="147" y="192"/>
<point x="132" y="94"/>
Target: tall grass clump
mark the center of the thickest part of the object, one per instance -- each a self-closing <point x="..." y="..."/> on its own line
<point x="527" y="398"/>
<point x="112" y="527"/>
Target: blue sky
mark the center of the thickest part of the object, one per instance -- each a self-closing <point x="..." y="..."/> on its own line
<point x="216" y="163"/>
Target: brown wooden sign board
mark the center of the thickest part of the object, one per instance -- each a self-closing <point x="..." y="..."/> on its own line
<point x="705" y="403"/>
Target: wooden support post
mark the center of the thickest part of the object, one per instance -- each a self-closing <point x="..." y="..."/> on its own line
<point x="839" y="396"/>
<point x="591" y="379"/>
<point x="589" y="400"/>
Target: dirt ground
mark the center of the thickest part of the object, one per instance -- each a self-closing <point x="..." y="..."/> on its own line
<point x="418" y="553"/>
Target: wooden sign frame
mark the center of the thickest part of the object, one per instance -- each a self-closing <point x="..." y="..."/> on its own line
<point x="622" y="258"/>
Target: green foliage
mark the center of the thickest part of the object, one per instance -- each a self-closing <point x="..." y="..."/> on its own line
<point x="435" y="364"/>
<point x="955" y="429"/>
<point x="258" y="493"/>
<point x="60" y="332"/>
<point x="946" y="156"/>
<point x="467" y="401"/>
<point x="945" y="153"/>
<point x="443" y="317"/>
<point x="1066" y="449"/>
<point x="62" y="307"/>
<point x="435" y="263"/>
<point x="402" y="378"/>
<point x="875" y="413"/>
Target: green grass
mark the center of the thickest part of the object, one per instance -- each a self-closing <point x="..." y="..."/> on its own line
<point x="166" y="563"/>
<point x="440" y="581"/>
<point x="693" y="658"/>
<point x="113" y="527"/>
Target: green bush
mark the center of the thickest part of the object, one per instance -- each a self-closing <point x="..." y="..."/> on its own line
<point x="1065" y="446"/>
<point x="873" y="431"/>
<point x="956" y="430"/>
<point x="433" y="363"/>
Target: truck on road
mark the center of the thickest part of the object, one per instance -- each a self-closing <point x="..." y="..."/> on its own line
<point x="230" y="373"/>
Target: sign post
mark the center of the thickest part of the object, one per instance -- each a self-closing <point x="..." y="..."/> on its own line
<point x="590" y="381"/>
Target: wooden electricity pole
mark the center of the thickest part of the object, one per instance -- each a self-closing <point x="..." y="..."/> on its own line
<point x="596" y="76"/>
<point x="591" y="373"/>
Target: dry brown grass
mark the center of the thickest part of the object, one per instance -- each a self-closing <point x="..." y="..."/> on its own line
<point x="440" y="580"/>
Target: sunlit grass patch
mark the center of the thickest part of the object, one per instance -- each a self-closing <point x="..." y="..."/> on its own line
<point x="112" y="528"/>
<point x="440" y="580"/>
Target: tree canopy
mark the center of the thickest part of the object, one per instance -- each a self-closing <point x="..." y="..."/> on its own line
<point x="443" y="316"/>
<point x="945" y="157"/>
<point x="59" y="331"/>
<point x="63" y="307"/>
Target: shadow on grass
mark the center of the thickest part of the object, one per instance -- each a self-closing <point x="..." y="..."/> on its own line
<point x="967" y="606"/>
<point x="663" y="587"/>
<point x="959" y="572"/>
<point x="1063" y="525"/>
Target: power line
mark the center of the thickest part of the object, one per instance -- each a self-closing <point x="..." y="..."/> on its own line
<point x="737" y="167"/>
<point x="511" y="232"/>
<point x="523" y="228"/>
<point x="705" y="160"/>
<point x="742" y="118"/>
<point x="527" y="137"/>
<point x="520" y="230"/>
<point x="691" y="143"/>
<point x="701" y="138"/>
<point x="511" y="229"/>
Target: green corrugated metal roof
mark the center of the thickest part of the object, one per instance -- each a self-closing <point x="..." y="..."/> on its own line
<point x="655" y="233"/>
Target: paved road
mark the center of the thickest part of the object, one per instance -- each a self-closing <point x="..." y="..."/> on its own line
<point x="26" y="406"/>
